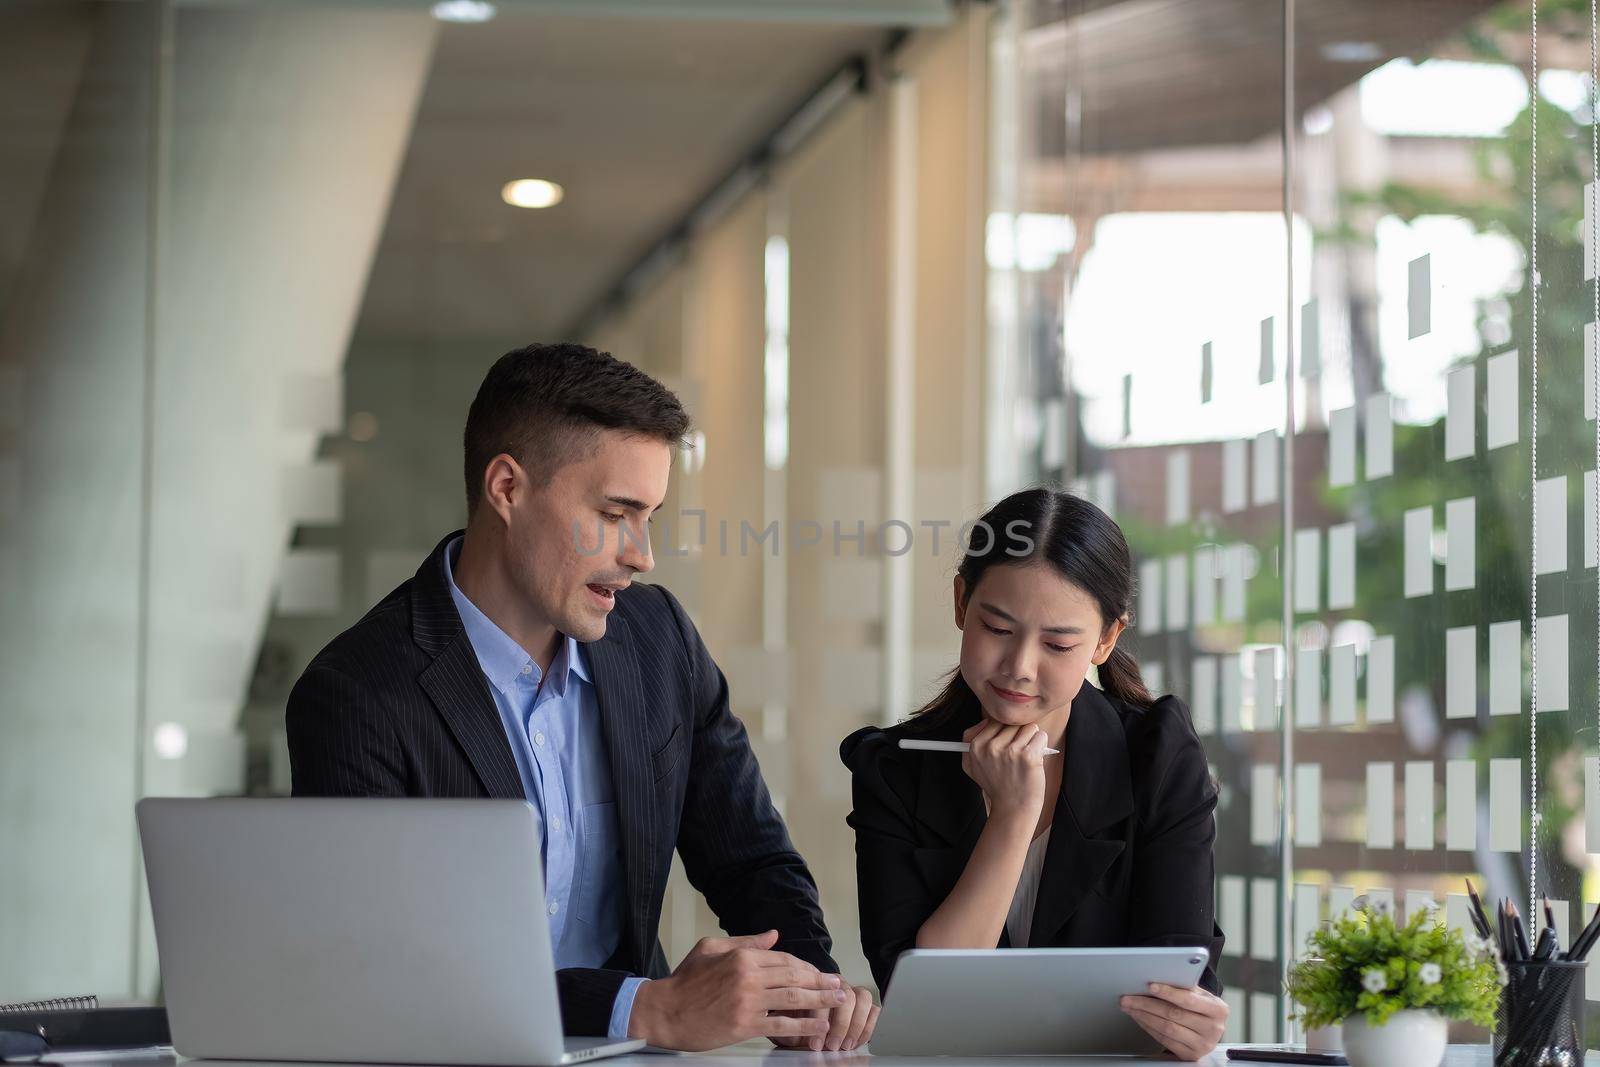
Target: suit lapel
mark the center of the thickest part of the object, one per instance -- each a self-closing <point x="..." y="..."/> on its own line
<point x="1096" y="794"/>
<point x="455" y="683"/>
<point x="620" y="697"/>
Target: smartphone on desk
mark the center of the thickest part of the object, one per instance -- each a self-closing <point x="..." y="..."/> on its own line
<point x="1287" y="1054"/>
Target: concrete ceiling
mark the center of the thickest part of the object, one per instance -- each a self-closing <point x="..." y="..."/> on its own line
<point x="639" y="118"/>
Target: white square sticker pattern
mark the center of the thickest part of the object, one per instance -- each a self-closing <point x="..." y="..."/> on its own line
<point x="1419" y="551"/>
<point x="1380" y="680"/>
<point x="1461" y="553"/>
<point x="1461" y="805"/>
<point x="1505" y="805"/>
<point x="1461" y="672"/>
<point x="1380" y="805"/>
<point x="1308" y="805"/>
<point x="1461" y="413"/>
<point x="1342" y="685"/>
<point x="1550" y="500"/>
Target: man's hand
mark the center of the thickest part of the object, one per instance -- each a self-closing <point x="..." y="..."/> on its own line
<point x="850" y="1025"/>
<point x="1188" y="1022"/>
<point x="717" y="946"/>
<point x="731" y="989"/>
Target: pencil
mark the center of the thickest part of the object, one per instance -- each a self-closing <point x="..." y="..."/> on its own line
<point x="952" y="746"/>
<point x="1479" y="919"/>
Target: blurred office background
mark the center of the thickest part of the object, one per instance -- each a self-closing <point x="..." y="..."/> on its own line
<point x="1251" y="275"/>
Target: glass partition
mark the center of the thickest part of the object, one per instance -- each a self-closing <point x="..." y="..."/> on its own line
<point x="77" y="316"/>
<point x="1336" y="556"/>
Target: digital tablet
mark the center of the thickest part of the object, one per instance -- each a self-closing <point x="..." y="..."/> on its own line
<point x="1024" y="1001"/>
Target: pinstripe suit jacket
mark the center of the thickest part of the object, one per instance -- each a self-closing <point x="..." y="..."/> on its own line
<point x="396" y="706"/>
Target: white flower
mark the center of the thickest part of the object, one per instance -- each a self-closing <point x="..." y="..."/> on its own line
<point x="1429" y="974"/>
<point x="1374" y="981"/>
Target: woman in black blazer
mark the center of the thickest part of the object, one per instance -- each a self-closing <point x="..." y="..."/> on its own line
<point x="1108" y="843"/>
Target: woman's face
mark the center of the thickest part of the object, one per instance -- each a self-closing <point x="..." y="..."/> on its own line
<point x="1028" y="637"/>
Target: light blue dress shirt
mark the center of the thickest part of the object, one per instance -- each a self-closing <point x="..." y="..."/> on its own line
<point x="554" y="730"/>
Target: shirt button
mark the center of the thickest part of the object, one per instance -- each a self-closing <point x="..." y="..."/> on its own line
<point x="554" y="907"/>
<point x="555" y="824"/>
<point x="527" y="668"/>
<point x="538" y="738"/>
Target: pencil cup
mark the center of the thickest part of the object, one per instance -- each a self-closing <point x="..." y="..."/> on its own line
<point x="1539" y="1022"/>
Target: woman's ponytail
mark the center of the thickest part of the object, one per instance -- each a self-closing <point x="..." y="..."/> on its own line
<point x="1119" y="676"/>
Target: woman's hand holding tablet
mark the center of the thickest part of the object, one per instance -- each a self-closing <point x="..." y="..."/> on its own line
<point x="1188" y="1022"/>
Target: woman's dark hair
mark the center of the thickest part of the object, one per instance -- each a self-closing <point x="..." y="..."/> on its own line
<point x="1083" y="545"/>
<point x="546" y="405"/>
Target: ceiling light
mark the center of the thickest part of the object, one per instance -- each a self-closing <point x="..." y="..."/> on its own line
<point x="170" y="740"/>
<point x="463" y="11"/>
<point x="532" y="192"/>
<point x="1352" y="51"/>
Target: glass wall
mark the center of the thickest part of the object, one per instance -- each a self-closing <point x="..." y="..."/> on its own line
<point x="77" y="211"/>
<point x="1300" y="371"/>
<point x="177" y="298"/>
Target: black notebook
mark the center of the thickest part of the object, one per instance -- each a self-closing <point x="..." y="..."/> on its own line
<point x="79" y="1023"/>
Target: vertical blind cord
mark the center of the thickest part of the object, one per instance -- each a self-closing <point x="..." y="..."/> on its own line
<point x="1533" y="450"/>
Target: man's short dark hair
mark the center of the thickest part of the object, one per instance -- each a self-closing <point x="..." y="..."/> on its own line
<point x="546" y="405"/>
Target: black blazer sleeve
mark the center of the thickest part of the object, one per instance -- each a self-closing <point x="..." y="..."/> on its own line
<point x="894" y="901"/>
<point x="736" y="850"/>
<point x="587" y="995"/>
<point x="1172" y="889"/>
<point x="341" y="744"/>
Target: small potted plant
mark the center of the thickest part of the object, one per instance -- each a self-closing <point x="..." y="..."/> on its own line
<point x="1394" y="987"/>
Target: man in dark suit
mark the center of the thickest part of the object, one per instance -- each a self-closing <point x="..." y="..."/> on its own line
<point x="523" y="662"/>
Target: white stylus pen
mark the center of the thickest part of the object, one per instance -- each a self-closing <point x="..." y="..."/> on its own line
<point x="953" y="746"/>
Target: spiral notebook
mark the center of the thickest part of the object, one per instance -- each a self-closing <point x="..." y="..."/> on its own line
<point x="80" y="1024"/>
<point x="28" y="1007"/>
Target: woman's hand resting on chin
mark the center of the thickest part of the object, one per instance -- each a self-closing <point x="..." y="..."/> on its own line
<point x="1007" y="762"/>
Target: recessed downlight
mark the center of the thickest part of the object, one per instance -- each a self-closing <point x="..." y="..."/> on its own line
<point x="532" y="193"/>
<point x="170" y="740"/>
<point x="463" y="11"/>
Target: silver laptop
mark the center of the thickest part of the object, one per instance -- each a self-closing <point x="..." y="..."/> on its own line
<point x="1024" y="1001"/>
<point x="392" y="931"/>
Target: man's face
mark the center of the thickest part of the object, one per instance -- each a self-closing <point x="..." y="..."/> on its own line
<point x="576" y="541"/>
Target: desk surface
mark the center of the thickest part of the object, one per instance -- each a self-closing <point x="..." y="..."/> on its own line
<point x="754" y="1054"/>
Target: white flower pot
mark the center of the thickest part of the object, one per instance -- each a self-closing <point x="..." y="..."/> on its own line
<point x="1408" y="1039"/>
<point x="1324" y="1039"/>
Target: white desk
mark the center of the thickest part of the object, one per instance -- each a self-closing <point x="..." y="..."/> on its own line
<point x="761" y="1054"/>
